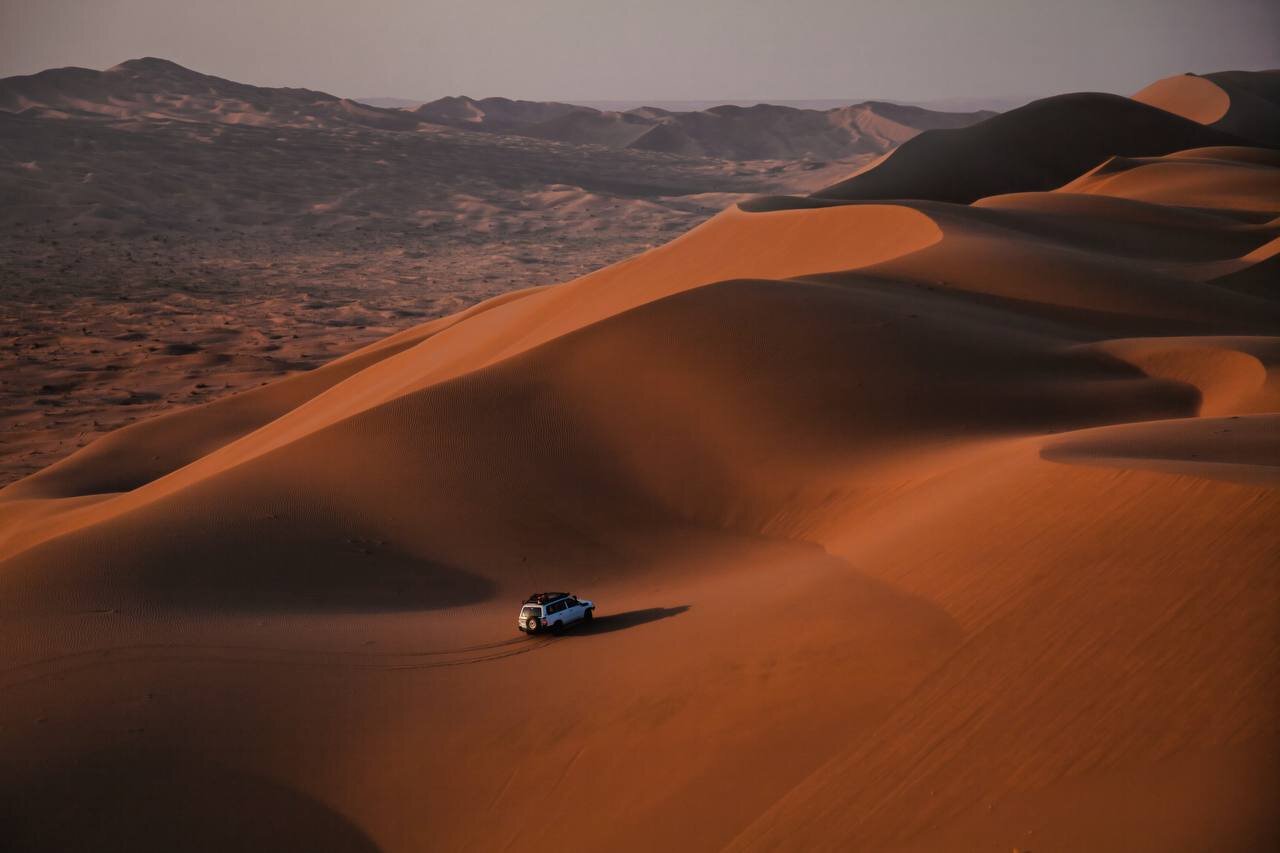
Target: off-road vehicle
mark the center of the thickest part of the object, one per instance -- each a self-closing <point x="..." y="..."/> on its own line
<point x="551" y="611"/>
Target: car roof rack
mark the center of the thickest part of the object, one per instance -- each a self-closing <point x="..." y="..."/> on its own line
<point x="544" y="597"/>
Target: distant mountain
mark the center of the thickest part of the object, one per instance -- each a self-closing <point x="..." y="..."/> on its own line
<point x="946" y="105"/>
<point x="158" y="89"/>
<point x="392" y="103"/>
<point x="762" y="131"/>
<point x="495" y="114"/>
<point x="153" y="89"/>
<point x="693" y="106"/>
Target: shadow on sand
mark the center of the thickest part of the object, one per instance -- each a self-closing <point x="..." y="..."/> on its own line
<point x="122" y="801"/>
<point x="621" y="621"/>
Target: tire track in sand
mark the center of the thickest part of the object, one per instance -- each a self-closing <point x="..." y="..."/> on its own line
<point x="61" y="666"/>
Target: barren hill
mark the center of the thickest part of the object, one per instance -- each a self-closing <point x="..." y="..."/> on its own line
<point x="153" y="89"/>
<point x="493" y="114"/>
<point x="759" y="132"/>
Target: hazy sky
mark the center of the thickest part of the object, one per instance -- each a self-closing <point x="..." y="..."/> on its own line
<point x="656" y="49"/>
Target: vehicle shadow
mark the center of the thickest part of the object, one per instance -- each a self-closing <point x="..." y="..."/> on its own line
<point x="621" y="621"/>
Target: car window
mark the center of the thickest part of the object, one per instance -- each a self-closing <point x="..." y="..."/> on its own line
<point x="556" y="608"/>
<point x="573" y="602"/>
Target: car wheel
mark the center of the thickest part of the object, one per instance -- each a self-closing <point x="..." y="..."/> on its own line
<point x="589" y="615"/>
<point x="531" y="625"/>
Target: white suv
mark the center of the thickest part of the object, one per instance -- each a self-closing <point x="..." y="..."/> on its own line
<point x="545" y="611"/>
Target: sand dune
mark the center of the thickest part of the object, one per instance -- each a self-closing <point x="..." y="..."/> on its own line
<point x="1036" y="147"/>
<point x="1232" y="374"/>
<point x="1196" y="98"/>
<point x="1203" y="182"/>
<point x="1244" y="103"/>
<point x="913" y="525"/>
<point x="1239" y="448"/>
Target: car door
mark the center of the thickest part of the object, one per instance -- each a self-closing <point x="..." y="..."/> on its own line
<point x="555" y="614"/>
<point x="573" y="611"/>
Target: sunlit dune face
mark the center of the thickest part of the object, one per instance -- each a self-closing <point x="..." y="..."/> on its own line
<point x="1189" y="181"/>
<point x="1189" y="96"/>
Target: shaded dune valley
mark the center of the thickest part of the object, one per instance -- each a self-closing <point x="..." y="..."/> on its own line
<point x="938" y="510"/>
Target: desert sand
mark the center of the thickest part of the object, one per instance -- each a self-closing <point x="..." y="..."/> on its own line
<point x="921" y="514"/>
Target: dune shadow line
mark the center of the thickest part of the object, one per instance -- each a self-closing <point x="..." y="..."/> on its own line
<point x="628" y="619"/>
